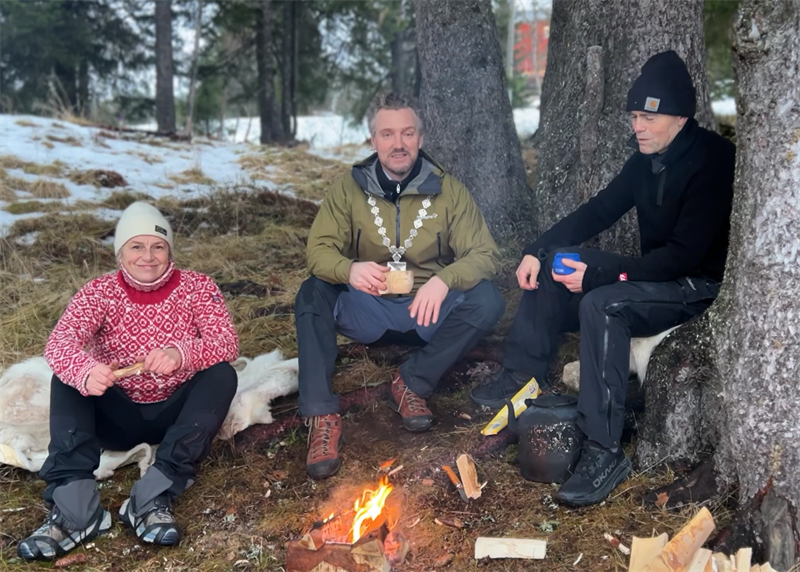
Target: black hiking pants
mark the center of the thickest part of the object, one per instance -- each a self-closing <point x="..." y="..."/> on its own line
<point x="320" y="312"/>
<point x="184" y="425"/>
<point x="607" y="318"/>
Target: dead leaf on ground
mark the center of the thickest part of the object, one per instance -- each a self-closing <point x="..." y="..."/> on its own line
<point x="386" y="464"/>
<point x="662" y="499"/>
<point x="71" y="560"/>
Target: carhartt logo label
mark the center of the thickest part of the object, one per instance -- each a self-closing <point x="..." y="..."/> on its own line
<point x="604" y="475"/>
<point x="651" y="104"/>
<point x="161" y="230"/>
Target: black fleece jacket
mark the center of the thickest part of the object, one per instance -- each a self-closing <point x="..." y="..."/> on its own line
<point x="683" y="204"/>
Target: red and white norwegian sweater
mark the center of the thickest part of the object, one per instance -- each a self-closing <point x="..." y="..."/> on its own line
<point x="116" y="318"/>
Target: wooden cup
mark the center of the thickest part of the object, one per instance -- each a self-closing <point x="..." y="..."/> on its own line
<point x="399" y="282"/>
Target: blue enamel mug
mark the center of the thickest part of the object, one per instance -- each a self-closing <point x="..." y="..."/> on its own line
<point x="558" y="262"/>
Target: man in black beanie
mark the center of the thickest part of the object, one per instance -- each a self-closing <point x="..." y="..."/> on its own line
<point x="680" y="180"/>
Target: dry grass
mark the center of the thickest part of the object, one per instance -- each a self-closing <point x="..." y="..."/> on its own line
<point x="26" y="123"/>
<point x="70" y="140"/>
<point x="7" y="193"/>
<point x="193" y="176"/>
<point x="308" y="176"/>
<point x="98" y="178"/>
<point x="48" y="189"/>
<point x="54" y="169"/>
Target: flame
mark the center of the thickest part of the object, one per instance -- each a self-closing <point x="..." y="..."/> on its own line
<point x="369" y="507"/>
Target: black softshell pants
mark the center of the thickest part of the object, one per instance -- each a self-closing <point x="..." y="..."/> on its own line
<point x="607" y="318"/>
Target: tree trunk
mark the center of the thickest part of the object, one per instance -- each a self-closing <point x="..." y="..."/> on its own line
<point x="596" y="51"/>
<point x="165" y="99"/>
<point x="83" y="88"/>
<point x="198" y="29"/>
<point x="287" y="65"/>
<point x="271" y="127"/>
<point x="399" y="83"/>
<point x="468" y="120"/>
<point x="297" y="8"/>
<point x="758" y="341"/>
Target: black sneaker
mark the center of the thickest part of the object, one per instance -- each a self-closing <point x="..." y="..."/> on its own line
<point x="599" y="471"/>
<point x="55" y="537"/>
<point x="156" y="526"/>
<point x="494" y="392"/>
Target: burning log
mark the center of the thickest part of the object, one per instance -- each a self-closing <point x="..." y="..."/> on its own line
<point x="357" y="540"/>
<point x="366" y="555"/>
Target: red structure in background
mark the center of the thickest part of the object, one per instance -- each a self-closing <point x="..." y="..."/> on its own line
<point x="527" y="61"/>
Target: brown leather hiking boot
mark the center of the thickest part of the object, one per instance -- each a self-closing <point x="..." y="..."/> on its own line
<point x="411" y="407"/>
<point x="324" y="440"/>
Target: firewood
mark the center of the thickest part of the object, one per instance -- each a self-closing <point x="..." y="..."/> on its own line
<point x="510" y="548"/>
<point x="722" y="561"/>
<point x="767" y="567"/>
<point x="679" y="551"/>
<point x="398" y="282"/>
<point x="700" y="561"/>
<point x="130" y="370"/>
<point x="469" y="476"/>
<point x="645" y="550"/>
<point x="743" y="558"/>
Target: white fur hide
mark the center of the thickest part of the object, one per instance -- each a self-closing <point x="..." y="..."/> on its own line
<point x="25" y="410"/>
<point x="641" y="350"/>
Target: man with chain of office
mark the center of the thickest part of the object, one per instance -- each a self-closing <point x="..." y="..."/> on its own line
<point x="398" y="252"/>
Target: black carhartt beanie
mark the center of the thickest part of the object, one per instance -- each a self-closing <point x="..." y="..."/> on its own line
<point x="665" y="86"/>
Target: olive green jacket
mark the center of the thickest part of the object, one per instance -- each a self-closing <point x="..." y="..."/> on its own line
<point x="453" y="242"/>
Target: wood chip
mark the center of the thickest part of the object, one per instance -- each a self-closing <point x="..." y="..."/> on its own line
<point x="71" y="560"/>
<point x="395" y="470"/>
<point x="578" y="559"/>
<point x="465" y="416"/>
<point x="614" y="541"/>
<point x="415" y="523"/>
<point x="662" y="499"/>
<point x="451" y="522"/>
<point x="428" y="482"/>
<point x="443" y="560"/>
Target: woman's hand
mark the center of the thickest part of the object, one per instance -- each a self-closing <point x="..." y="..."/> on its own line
<point x="100" y="378"/>
<point x="163" y="361"/>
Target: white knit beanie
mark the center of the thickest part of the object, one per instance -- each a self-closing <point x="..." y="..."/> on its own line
<point x="141" y="219"/>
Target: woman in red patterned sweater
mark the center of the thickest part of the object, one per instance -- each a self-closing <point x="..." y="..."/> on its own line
<point x="175" y="323"/>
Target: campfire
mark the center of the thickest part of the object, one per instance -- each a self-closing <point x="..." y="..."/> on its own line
<point x="357" y="539"/>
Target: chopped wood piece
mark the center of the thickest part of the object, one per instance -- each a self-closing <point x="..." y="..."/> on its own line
<point x="699" y="561"/>
<point x="679" y="551"/>
<point x="613" y="541"/>
<point x="469" y="476"/>
<point x="386" y="464"/>
<point x="743" y="558"/>
<point x="722" y="561"/>
<point x="427" y="482"/>
<point x="767" y="567"/>
<point x="130" y="370"/>
<point x="510" y="548"/>
<point x="645" y="550"/>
